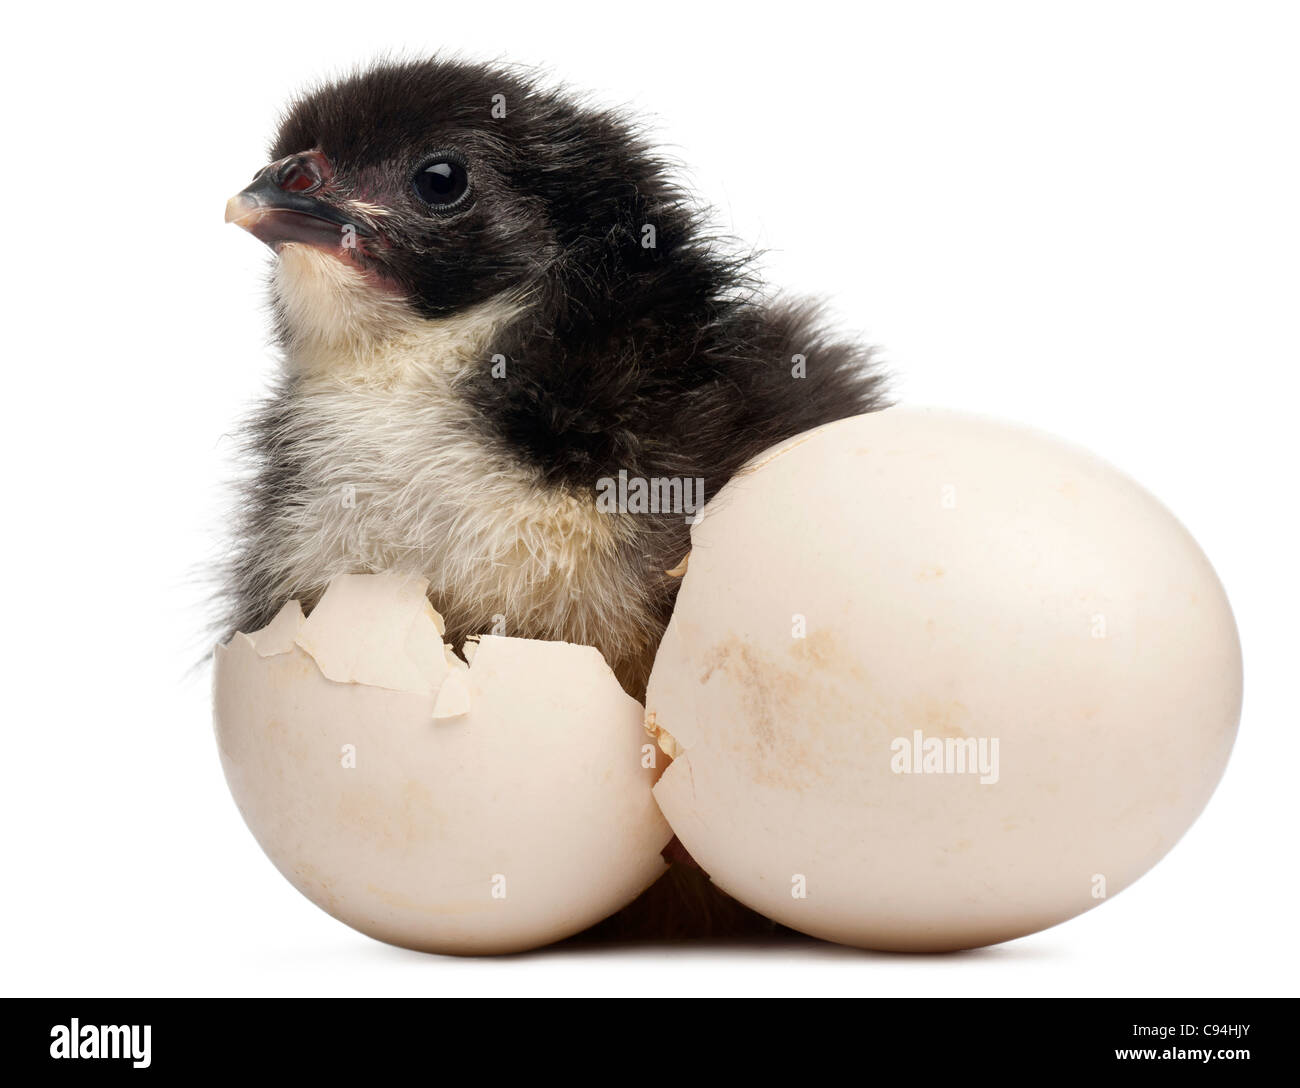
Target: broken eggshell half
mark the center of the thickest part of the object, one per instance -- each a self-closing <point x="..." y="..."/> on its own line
<point x="934" y="681"/>
<point x="488" y="808"/>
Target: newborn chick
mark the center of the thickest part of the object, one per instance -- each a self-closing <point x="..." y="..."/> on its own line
<point x="491" y="301"/>
<point x="515" y="363"/>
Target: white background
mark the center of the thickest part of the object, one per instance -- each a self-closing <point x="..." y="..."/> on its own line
<point x="1081" y="216"/>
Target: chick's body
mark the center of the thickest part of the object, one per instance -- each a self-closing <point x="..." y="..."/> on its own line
<point x="492" y="301"/>
<point x="463" y="378"/>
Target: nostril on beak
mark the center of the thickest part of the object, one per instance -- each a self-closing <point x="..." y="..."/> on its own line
<point x="297" y="174"/>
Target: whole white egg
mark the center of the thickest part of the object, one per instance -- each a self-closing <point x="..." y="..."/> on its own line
<point x="936" y="682"/>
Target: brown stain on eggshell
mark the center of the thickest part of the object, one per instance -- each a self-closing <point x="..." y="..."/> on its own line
<point x="794" y="709"/>
<point x="937" y="717"/>
<point x="817" y="649"/>
<point x="785" y="740"/>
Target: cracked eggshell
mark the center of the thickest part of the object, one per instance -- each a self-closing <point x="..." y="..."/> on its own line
<point x="484" y="809"/>
<point x="907" y="579"/>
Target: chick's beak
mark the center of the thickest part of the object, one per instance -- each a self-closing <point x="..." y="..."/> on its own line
<point x="288" y="201"/>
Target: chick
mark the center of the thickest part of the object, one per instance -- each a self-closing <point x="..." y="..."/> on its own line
<point x="516" y="362"/>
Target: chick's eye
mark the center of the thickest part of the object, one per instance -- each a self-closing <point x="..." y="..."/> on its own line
<point x="441" y="182"/>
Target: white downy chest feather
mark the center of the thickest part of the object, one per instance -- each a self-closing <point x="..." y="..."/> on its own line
<point x="397" y="474"/>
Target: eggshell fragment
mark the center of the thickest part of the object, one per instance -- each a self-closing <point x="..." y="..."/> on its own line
<point x="939" y="682"/>
<point x="505" y="812"/>
<point x="386" y="634"/>
<point x="279" y="635"/>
